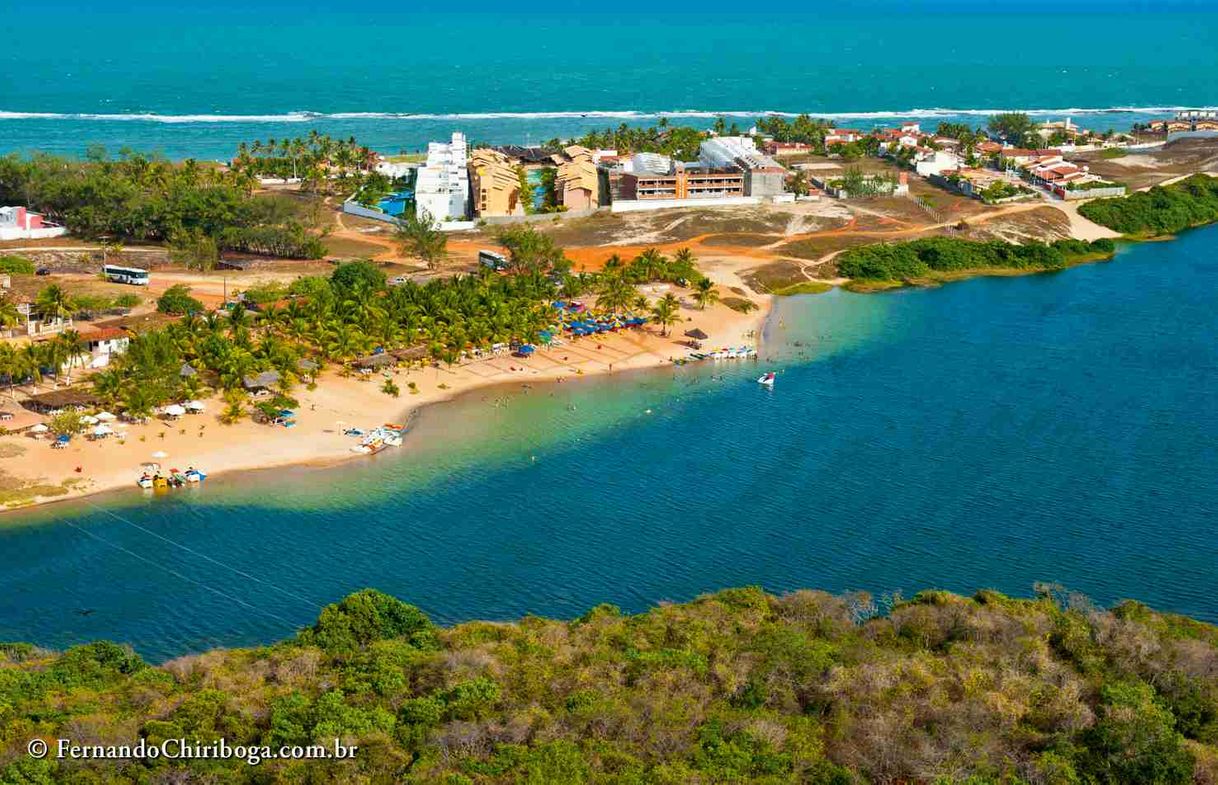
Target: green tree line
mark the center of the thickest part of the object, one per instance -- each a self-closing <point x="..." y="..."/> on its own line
<point x="1161" y="210"/>
<point x="917" y="259"/>
<point x="735" y="687"/>
<point x="138" y="198"/>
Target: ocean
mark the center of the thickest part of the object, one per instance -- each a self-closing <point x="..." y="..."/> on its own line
<point x="195" y="79"/>
<point x="988" y="433"/>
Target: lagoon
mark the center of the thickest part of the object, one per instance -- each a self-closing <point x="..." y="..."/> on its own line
<point x="989" y="433"/>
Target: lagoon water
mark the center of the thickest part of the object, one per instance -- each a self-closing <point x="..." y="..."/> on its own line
<point x="194" y="79"/>
<point x="989" y="433"/>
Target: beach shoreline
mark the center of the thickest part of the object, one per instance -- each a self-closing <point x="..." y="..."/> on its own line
<point x="88" y="468"/>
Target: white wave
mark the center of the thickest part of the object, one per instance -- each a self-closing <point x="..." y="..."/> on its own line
<point x="610" y="114"/>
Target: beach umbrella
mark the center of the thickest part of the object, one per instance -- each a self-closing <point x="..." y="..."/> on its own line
<point x="106" y="417"/>
<point x="40" y="428"/>
<point x="526" y="349"/>
<point x="174" y="410"/>
<point x="696" y="334"/>
<point x="160" y="454"/>
<point x="103" y="430"/>
<point x="63" y="438"/>
<point x="195" y="406"/>
<point x="89" y="419"/>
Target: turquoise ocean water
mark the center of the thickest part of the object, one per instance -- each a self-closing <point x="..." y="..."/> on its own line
<point x="194" y="79"/>
<point x="990" y="433"/>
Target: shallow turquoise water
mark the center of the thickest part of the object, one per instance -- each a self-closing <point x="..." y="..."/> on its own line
<point x="990" y="433"/>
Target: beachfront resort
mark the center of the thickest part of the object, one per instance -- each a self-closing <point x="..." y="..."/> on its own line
<point x="458" y="274"/>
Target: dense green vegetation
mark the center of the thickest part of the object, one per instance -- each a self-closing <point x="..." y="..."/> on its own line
<point x="16" y="264"/>
<point x="354" y="311"/>
<point x="681" y="142"/>
<point x="144" y="199"/>
<point x="318" y="161"/>
<point x="1161" y="210"/>
<point x="923" y="258"/>
<point x="1015" y="127"/>
<point x="735" y="687"/>
<point x="328" y="320"/>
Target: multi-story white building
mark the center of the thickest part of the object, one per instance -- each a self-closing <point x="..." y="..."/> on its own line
<point x="442" y="188"/>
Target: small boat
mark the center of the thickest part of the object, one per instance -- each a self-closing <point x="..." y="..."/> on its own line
<point x="766" y="379"/>
<point x="193" y="475"/>
<point x="144" y="482"/>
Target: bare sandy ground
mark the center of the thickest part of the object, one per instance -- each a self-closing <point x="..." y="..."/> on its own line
<point x="338" y="402"/>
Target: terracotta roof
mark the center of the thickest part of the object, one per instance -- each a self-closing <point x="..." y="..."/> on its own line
<point x="104" y="334"/>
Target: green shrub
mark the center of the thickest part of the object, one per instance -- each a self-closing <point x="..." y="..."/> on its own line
<point x="1161" y="210"/>
<point x="16" y="265"/>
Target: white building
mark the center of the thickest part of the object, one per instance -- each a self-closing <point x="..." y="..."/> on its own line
<point x="442" y="188"/>
<point x="937" y="162"/>
<point x="18" y="223"/>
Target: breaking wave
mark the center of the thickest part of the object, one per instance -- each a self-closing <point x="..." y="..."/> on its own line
<point x="624" y="115"/>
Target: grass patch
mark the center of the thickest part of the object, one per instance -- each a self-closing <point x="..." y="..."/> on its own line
<point x="806" y="287"/>
<point x="739" y="304"/>
<point x="1113" y="152"/>
<point x="347" y="248"/>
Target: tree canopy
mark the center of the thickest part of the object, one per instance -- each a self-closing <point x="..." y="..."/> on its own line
<point x="140" y="198"/>
<point x="735" y="687"/>
<point x="1161" y="210"/>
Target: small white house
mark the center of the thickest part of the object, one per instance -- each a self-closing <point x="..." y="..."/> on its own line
<point x="938" y="162"/>
<point x="104" y="343"/>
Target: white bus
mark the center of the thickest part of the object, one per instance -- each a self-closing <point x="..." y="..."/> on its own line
<point x="132" y="275"/>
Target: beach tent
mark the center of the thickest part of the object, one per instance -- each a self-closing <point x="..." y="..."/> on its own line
<point x="194" y="406"/>
<point x="106" y="417"/>
<point x="525" y="350"/>
<point x="174" y="410"/>
<point x="696" y="334"/>
<point x="40" y="428"/>
<point x="62" y="441"/>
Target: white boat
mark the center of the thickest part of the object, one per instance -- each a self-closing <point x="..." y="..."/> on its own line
<point x="766" y="379"/>
<point x="195" y="476"/>
<point x="144" y="482"/>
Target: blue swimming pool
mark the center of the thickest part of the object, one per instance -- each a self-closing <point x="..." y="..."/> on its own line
<point x="395" y="203"/>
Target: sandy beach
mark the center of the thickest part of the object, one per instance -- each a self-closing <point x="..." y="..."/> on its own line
<point x="34" y="473"/>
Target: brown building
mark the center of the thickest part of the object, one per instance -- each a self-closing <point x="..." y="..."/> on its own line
<point x="577" y="181"/>
<point x="495" y="183"/>
<point x="685" y="182"/>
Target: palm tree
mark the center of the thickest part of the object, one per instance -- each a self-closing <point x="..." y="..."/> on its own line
<point x="705" y="293"/>
<point x="9" y="366"/>
<point x="29" y="364"/>
<point x="54" y="302"/>
<point x="73" y="346"/>
<point x="665" y="312"/>
<point x="616" y="293"/>
<point x="9" y="315"/>
<point x="683" y="263"/>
